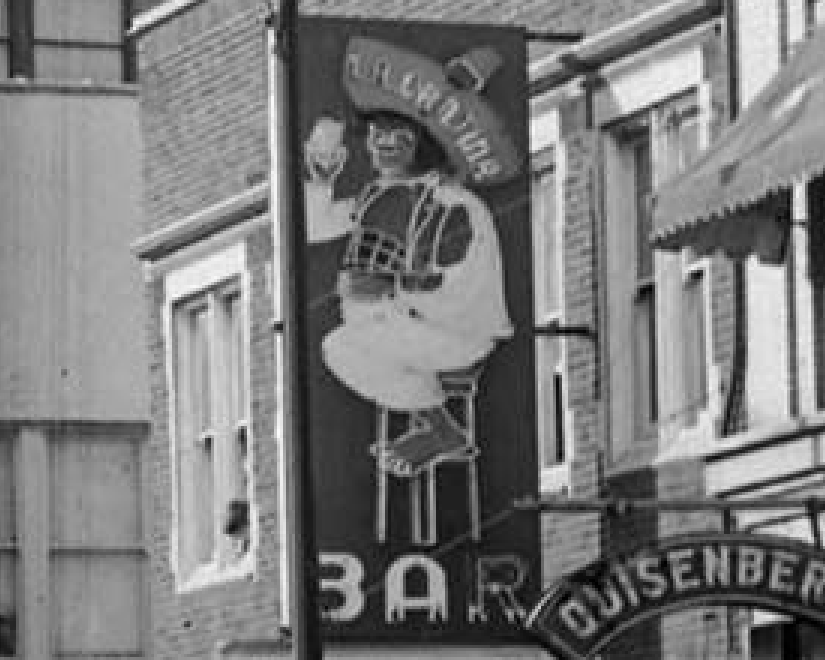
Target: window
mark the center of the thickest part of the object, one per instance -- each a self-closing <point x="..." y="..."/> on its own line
<point x="680" y="137"/>
<point x="211" y="437"/>
<point x="816" y="274"/>
<point x="65" y="40"/>
<point x="644" y="360"/>
<point x="667" y="293"/>
<point x="645" y="380"/>
<point x="816" y="12"/>
<point x="654" y="117"/>
<point x="694" y="349"/>
<point x="554" y="446"/>
<point x="8" y="549"/>
<point x="4" y="38"/>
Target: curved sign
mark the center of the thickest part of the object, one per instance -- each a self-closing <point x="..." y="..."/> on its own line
<point x="586" y="610"/>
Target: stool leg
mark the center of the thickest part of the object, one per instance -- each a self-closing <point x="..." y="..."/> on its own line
<point x="432" y="515"/>
<point x="472" y="470"/>
<point x="415" y="509"/>
<point x="381" y="478"/>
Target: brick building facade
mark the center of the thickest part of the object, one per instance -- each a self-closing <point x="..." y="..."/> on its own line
<point x="612" y="116"/>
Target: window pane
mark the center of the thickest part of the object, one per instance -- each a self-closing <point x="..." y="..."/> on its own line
<point x="688" y="144"/>
<point x="63" y="63"/>
<point x="558" y="395"/>
<point x="550" y="412"/>
<point x="94" y="607"/>
<point x="4" y="18"/>
<point x="695" y="361"/>
<point x="8" y="612"/>
<point x="8" y="553"/>
<point x="89" y="20"/>
<point x="195" y="469"/>
<point x="4" y="61"/>
<point x="204" y="491"/>
<point x="237" y="367"/>
<point x="797" y="22"/>
<point x="643" y="184"/>
<point x="7" y="526"/>
<point x="236" y="371"/>
<point x="644" y="358"/>
<point x="201" y="375"/>
<point x="545" y="248"/>
<point x="818" y="12"/>
<point x="95" y="486"/>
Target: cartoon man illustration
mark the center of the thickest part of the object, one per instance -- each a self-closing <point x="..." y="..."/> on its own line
<point x="421" y="285"/>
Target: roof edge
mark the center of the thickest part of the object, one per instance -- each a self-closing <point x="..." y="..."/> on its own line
<point x="204" y="223"/>
<point x="157" y="16"/>
<point x="620" y="40"/>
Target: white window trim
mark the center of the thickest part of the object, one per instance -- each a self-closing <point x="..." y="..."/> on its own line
<point x="545" y="132"/>
<point x="705" y="417"/>
<point x="805" y="322"/>
<point x="652" y="76"/>
<point x="713" y="410"/>
<point x="636" y="83"/>
<point x="180" y="283"/>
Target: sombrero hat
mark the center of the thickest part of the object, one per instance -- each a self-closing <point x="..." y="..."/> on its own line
<point x="446" y="100"/>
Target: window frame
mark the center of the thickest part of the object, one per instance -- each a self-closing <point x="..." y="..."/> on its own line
<point x="22" y="41"/>
<point x="692" y="108"/>
<point x="215" y="277"/>
<point x="693" y="269"/>
<point x="554" y="476"/>
<point x="10" y="614"/>
<point x="635" y="87"/>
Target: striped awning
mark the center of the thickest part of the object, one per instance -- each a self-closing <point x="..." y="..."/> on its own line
<point x="734" y="198"/>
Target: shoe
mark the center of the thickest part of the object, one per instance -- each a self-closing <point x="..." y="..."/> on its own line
<point x="435" y="438"/>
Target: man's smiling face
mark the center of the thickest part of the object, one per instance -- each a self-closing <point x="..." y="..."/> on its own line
<point x="392" y="143"/>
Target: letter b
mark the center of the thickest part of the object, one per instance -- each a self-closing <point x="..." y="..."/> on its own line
<point x="348" y="586"/>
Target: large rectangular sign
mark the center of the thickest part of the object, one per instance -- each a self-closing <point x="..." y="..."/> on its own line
<point x="422" y="416"/>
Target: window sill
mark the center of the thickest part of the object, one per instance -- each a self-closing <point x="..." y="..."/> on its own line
<point x="211" y="574"/>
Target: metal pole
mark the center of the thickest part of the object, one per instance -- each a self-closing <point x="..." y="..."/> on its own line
<point x="628" y="505"/>
<point x="289" y="225"/>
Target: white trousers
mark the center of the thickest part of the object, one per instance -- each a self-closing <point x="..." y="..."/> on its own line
<point x="392" y="357"/>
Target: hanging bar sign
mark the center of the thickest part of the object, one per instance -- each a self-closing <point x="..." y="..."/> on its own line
<point x="420" y="317"/>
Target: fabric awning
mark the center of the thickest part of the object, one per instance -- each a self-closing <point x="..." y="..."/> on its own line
<point x="734" y="198"/>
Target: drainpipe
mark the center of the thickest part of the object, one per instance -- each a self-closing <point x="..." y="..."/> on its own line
<point x="599" y="263"/>
<point x="736" y="387"/>
<point x="289" y="229"/>
<point x="790" y="260"/>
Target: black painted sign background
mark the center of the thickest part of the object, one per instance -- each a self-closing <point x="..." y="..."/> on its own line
<point x="358" y="567"/>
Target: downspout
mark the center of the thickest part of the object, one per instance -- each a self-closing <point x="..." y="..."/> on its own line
<point x="601" y="388"/>
<point x="789" y="248"/>
<point x="289" y="234"/>
<point x="736" y="388"/>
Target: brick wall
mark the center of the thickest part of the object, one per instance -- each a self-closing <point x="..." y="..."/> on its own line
<point x="573" y="540"/>
<point x="203" y="109"/>
<point x="203" y="117"/>
<point x="204" y="124"/>
<point x="193" y="625"/>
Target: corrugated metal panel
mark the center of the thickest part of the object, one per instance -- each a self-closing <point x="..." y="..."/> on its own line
<point x="95" y="20"/>
<point x="97" y="558"/>
<point x="71" y="334"/>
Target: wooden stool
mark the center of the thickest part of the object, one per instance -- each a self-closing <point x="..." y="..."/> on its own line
<point x="461" y="387"/>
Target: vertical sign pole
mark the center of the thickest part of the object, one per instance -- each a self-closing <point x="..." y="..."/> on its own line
<point x="287" y="209"/>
